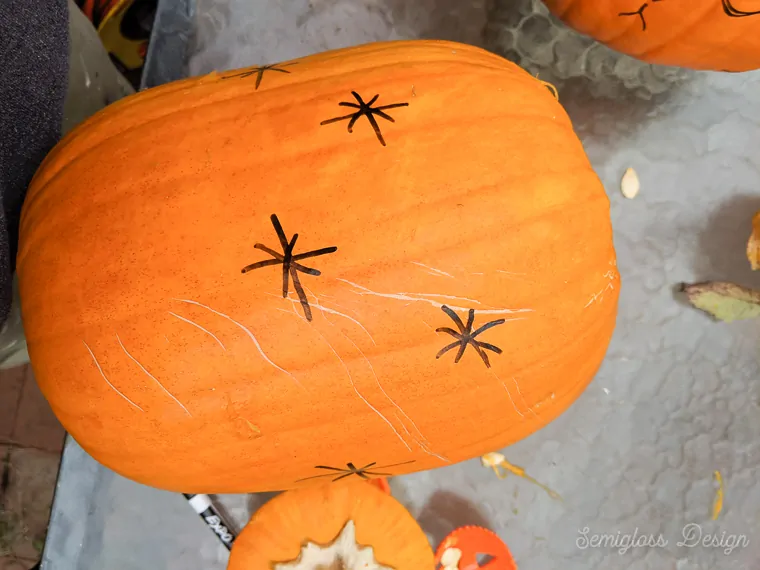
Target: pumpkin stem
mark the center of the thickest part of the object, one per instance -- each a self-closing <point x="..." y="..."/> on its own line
<point x="551" y="88"/>
<point x="497" y="460"/>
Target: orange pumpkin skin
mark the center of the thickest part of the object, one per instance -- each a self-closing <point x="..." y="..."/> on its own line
<point x="718" y="35"/>
<point x="279" y="529"/>
<point x="174" y="368"/>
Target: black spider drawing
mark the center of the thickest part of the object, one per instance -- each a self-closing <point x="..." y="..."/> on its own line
<point x="729" y="9"/>
<point x="467" y="336"/>
<point x="289" y="262"/>
<point x="640" y="14"/>
<point x="259" y="71"/>
<point x="365" y="110"/>
<point x="362" y="472"/>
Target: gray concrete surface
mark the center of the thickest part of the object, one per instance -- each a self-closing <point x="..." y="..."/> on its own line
<point x="676" y="398"/>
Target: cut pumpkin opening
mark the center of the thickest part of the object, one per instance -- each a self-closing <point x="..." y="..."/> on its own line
<point x="336" y="526"/>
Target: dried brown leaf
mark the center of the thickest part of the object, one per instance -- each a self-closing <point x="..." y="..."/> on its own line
<point x="724" y="301"/>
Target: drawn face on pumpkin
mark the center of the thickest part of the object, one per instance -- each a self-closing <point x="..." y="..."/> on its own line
<point x="337" y="268"/>
<point x="719" y="35"/>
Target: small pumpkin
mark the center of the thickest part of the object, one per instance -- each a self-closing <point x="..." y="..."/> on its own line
<point x="474" y="548"/>
<point x="366" y="262"/>
<point x="344" y="526"/>
<point x="718" y="35"/>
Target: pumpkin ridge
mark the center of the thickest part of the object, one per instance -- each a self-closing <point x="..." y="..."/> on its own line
<point x="169" y="89"/>
<point x="604" y="199"/>
<point x="35" y="192"/>
<point x="105" y="116"/>
<point x="154" y="94"/>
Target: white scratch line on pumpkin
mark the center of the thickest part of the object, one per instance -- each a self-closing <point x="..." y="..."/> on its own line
<point x="513" y="275"/>
<point x="519" y="413"/>
<point x="249" y="333"/>
<point x="152" y="377"/>
<point x="395" y="415"/>
<point x="379" y="385"/>
<point x="509" y="272"/>
<point x="353" y="385"/>
<point x="423" y="446"/>
<point x="427" y="325"/>
<point x="333" y="312"/>
<point x="433" y="270"/>
<point x="424" y="298"/>
<point x="114" y="388"/>
<point x="322" y="308"/>
<point x="433" y="453"/>
<point x="342" y="306"/>
<point x="208" y="332"/>
<point x="318" y="305"/>
<point x="599" y="296"/>
<point x="523" y="399"/>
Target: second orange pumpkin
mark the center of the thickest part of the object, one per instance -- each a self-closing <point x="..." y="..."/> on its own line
<point x="718" y="35"/>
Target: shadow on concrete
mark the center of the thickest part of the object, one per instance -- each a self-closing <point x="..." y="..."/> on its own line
<point x="445" y="512"/>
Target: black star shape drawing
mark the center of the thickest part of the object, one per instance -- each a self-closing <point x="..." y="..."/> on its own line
<point x="259" y="71"/>
<point x="640" y="14"/>
<point x="289" y="262"/>
<point x="466" y="336"/>
<point x="729" y="9"/>
<point x="366" y="110"/>
<point x="362" y="472"/>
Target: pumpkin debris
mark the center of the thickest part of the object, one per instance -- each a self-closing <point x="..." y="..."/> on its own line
<point x="495" y="460"/>
<point x="753" y="243"/>
<point x="723" y="301"/>
<point x="344" y="550"/>
<point x="450" y="559"/>
<point x="718" y="503"/>
<point x="629" y="184"/>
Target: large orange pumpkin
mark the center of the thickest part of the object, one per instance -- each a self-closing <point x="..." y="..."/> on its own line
<point x="720" y="35"/>
<point x="343" y="526"/>
<point x="370" y="261"/>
